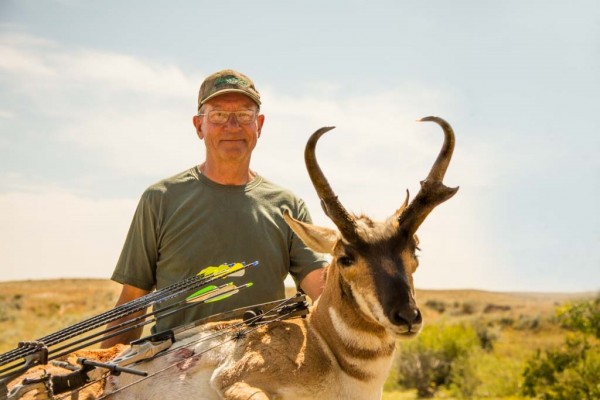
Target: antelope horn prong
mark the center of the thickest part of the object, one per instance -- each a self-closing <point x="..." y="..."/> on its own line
<point x="404" y="205"/>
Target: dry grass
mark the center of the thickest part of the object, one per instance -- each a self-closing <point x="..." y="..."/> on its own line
<point x="32" y="309"/>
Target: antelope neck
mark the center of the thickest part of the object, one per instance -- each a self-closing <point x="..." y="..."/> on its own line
<point x="348" y="336"/>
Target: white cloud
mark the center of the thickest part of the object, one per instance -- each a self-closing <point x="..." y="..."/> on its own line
<point x="5" y="114"/>
<point x="16" y="56"/>
<point x="51" y="233"/>
<point x="30" y="57"/>
<point x="131" y="115"/>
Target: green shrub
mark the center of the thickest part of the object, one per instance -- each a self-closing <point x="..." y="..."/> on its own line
<point x="465" y="308"/>
<point x="486" y="335"/>
<point x="464" y="380"/>
<point x="581" y="317"/>
<point x="572" y="371"/>
<point x="506" y="322"/>
<point x="426" y="363"/>
<point x="527" y="322"/>
<point x="487" y="375"/>
<point x="437" y="305"/>
<point x="468" y="308"/>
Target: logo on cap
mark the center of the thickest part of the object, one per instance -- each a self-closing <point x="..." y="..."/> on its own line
<point x="229" y="80"/>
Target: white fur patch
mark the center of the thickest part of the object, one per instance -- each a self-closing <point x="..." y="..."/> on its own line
<point x="368" y="304"/>
<point x="352" y="337"/>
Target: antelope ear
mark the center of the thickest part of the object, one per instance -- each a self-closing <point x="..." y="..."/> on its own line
<point x="320" y="239"/>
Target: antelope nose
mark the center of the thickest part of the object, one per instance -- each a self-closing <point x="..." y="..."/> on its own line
<point x="406" y="316"/>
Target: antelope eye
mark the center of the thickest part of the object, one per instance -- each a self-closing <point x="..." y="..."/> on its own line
<point x="346" y="261"/>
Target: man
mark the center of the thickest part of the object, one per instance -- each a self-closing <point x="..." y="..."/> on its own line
<point x="218" y="212"/>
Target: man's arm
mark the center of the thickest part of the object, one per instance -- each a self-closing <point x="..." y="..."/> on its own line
<point x="313" y="283"/>
<point x="128" y="293"/>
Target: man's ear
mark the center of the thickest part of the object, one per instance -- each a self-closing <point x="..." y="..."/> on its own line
<point x="260" y="120"/>
<point x="197" y="121"/>
<point x="320" y="239"/>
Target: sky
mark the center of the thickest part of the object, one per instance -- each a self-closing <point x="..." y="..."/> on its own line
<point x="97" y="98"/>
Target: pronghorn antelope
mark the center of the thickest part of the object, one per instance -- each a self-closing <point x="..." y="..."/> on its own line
<point x="345" y="347"/>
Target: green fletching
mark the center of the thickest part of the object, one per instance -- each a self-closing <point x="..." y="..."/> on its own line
<point x="201" y="292"/>
<point x="221" y="293"/>
<point x="221" y="297"/>
<point x="230" y="290"/>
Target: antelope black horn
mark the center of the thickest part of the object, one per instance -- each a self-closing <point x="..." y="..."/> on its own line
<point x="433" y="191"/>
<point x="329" y="201"/>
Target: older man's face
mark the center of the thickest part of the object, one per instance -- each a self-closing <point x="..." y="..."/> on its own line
<point x="231" y="141"/>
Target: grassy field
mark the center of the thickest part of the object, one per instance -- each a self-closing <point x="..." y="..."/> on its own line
<point x="520" y="323"/>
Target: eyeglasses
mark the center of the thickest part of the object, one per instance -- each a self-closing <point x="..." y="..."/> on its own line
<point x="243" y="117"/>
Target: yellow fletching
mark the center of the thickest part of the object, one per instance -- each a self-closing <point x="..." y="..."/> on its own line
<point x="223" y="268"/>
<point x="239" y="267"/>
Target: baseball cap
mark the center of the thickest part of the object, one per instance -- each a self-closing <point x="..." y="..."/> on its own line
<point x="227" y="81"/>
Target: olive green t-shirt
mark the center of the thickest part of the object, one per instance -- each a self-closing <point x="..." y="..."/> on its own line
<point x="186" y="223"/>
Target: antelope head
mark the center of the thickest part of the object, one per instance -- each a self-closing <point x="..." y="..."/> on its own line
<point x="373" y="262"/>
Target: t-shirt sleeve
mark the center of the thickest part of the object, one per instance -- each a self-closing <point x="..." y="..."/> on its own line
<point x="137" y="263"/>
<point x="303" y="260"/>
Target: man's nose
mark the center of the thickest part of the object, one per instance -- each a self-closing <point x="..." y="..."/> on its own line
<point x="232" y="121"/>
